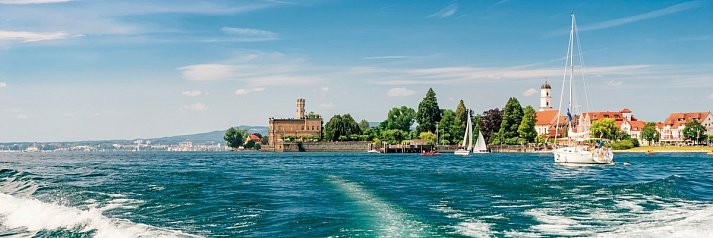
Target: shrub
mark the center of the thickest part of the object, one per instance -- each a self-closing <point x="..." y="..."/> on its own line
<point x="623" y="145"/>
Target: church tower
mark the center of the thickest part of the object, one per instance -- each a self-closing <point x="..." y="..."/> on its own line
<point x="545" y="97"/>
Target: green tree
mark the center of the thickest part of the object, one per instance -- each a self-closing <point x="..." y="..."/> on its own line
<point x="363" y="125"/>
<point x="605" y="128"/>
<point x="448" y="128"/>
<point x="649" y="133"/>
<point x="249" y="144"/>
<point x="234" y="137"/>
<point x="526" y="130"/>
<point x="460" y="116"/>
<point x="401" y="118"/>
<point x="429" y="114"/>
<point x="694" y="131"/>
<point x="340" y="127"/>
<point x="429" y="137"/>
<point x="512" y="116"/>
<point x="490" y="123"/>
<point x="257" y="146"/>
<point x="312" y="115"/>
<point x="393" y="136"/>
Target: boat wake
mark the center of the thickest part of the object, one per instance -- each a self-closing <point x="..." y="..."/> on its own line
<point x="23" y="215"/>
<point x="389" y="221"/>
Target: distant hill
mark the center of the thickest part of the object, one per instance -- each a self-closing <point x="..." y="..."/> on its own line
<point x="206" y="137"/>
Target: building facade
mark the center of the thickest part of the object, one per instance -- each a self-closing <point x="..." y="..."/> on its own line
<point x="671" y="129"/>
<point x="300" y="126"/>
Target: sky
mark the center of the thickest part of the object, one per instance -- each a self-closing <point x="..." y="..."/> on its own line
<point x="123" y="69"/>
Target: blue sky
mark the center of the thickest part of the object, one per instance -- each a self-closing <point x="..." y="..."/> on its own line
<point x="82" y="69"/>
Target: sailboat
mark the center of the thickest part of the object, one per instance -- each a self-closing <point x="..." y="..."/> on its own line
<point x="468" y="136"/>
<point x="480" y="146"/>
<point x="579" y="148"/>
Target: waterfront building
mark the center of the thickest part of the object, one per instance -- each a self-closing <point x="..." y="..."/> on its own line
<point x="300" y="126"/>
<point x="624" y="119"/>
<point x="671" y="129"/>
<point x="545" y="97"/>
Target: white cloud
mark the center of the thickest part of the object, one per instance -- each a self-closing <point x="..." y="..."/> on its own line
<point x="400" y="92"/>
<point x="207" y="72"/>
<point x="652" y="14"/>
<point x="26" y="36"/>
<point x="192" y="93"/>
<point x="710" y="96"/>
<point x="248" y="35"/>
<point x="446" y="11"/>
<point x="3" y="84"/>
<point x="614" y="83"/>
<point x="256" y="69"/>
<point x="391" y="57"/>
<point x="324" y="88"/>
<point x="529" y="92"/>
<point x="22" y="116"/>
<point x="326" y="105"/>
<point x="196" y="107"/>
<point x="31" y="1"/>
<point x="243" y="91"/>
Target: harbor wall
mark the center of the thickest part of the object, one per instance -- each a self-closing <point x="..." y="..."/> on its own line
<point x="332" y="146"/>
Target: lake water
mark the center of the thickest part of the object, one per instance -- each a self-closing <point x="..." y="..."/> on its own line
<point x="149" y="194"/>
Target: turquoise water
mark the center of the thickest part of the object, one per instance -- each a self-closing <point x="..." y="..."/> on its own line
<point x="147" y="194"/>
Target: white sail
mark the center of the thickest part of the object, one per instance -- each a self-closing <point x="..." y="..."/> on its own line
<point x="480" y="146"/>
<point x="470" y="134"/>
<point x="465" y="136"/>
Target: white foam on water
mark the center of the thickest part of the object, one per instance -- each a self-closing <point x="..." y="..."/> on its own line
<point x="390" y="221"/>
<point x="682" y="220"/>
<point x="35" y="215"/>
<point x="473" y="228"/>
<point x="552" y="222"/>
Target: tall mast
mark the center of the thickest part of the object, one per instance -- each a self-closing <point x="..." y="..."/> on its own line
<point x="571" y="66"/>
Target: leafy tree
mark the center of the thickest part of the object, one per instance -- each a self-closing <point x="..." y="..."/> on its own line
<point x="461" y="116"/>
<point x="363" y="125"/>
<point x="340" y="127"/>
<point x="257" y="146"/>
<point x="490" y="123"/>
<point x="476" y="126"/>
<point x="448" y="129"/>
<point x="526" y="130"/>
<point x="312" y="115"/>
<point x="234" y="137"/>
<point x="649" y="133"/>
<point x="429" y="137"/>
<point x="694" y="131"/>
<point x="512" y="116"/>
<point x="249" y="144"/>
<point x="393" y="136"/>
<point x="401" y="118"/>
<point x="605" y="128"/>
<point x="428" y="113"/>
<point x="265" y="140"/>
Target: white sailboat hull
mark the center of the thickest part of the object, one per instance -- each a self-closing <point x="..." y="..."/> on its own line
<point x="462" y="152"/>
<point x="580" y="155"/>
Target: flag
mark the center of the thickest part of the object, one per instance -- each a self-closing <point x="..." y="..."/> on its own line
<point x="569" y="115"/>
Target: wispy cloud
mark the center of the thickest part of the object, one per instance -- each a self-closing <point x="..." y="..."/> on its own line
<point x="247" y="35"/>
<point x="529" y="92"/>
<point x="22" y="116"/>
<point x="710" y="96"/>
<point x="388" y="57"/>
<point x="196" y="107"/>
<point x="400" y="92"/>
<point x="326" y="105"/>
<point x="649" y="15"/>
<point x="614" y="83"/>
<point x="3" y="84"/>
<point x="255" y="69"/>
<point x="445" y="12"/>
<point x="192" y="93"/>
<point x="243" y="91"/>
<point x="324" y="88"/>
<point x="27" y="36"/>
<point x="452" y="75"/>
<point x="31" y="1"/>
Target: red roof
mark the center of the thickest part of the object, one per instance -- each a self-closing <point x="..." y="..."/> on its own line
<point x="677" y="119"/>
<point x="254" y="137"/>
<point x="625" y="110"/>
<point x="548" y="117"/>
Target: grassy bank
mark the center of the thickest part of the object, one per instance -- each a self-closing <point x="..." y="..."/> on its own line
<point x="669" y="149"/>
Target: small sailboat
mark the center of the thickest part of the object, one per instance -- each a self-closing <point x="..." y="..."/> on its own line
<point x="468" y="136"/>
<point x="480" y="146"/>
<point x="579" y="148"/>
